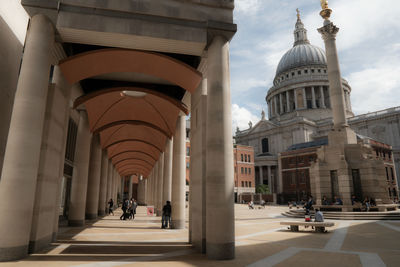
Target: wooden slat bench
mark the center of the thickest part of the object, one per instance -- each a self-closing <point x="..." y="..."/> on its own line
<point x="319" y="226"/>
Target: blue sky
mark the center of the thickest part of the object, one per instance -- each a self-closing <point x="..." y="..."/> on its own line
<point x="368" y="45"/>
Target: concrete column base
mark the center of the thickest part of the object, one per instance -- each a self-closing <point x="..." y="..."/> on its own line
<point x="37" y="245"/>
<point x="177" y="224"/>
<point x="200" y="246"/>
<point x="92" y="216"/>
<point x="101" y="213"/>
<point x="13" y="253"/>
<point x="76" y="223"/>
<point x="225" y="251"/>
<point x="54" y="237"/>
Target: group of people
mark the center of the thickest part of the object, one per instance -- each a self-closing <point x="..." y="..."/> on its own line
<point x="129" y="210"/>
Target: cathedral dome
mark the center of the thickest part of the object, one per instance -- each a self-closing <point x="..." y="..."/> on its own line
<point x="299" y="56"/>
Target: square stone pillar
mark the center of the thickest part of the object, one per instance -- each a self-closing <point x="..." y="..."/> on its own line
<point x="103" y="184"/>
<point x="219" y="171"/>
<point x="93" y="189"/>
<point x="197" y="185"/>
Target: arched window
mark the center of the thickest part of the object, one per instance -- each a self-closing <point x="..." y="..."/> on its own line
<point x="265" y="146"/>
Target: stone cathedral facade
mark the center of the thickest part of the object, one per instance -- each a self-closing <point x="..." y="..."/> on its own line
<point x="300" y="118"/>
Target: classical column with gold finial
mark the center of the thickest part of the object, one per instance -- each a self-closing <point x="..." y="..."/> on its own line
<point x="328" y="32"/>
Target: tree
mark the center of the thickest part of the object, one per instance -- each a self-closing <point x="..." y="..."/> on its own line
<point x="262" y="188"/>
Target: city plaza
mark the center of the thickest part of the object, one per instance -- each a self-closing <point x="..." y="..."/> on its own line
<point x="98" y="94"/>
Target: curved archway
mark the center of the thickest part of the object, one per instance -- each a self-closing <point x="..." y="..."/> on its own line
<point x="102" y="61"/>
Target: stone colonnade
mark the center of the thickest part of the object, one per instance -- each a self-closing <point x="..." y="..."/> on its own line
<point x="34" y="159"/>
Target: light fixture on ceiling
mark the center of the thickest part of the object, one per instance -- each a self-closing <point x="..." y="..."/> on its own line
<point x="133" y="93"/>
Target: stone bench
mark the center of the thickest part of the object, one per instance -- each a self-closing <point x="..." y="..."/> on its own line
<point x="319" y="226"/>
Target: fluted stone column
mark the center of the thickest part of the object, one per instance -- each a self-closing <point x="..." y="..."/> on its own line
<point x="178" y="175"/>
<point x="160" y="183"/>
<point x="281" y="103"/>
<point x="76" y="216"/>
<point x="276" y="105"/>
<point x="51" y="164"/>
<point x="93" y="189"/>
<point x="328" y="32"/>
<point x="304" y="98"/>
<point x="313" y="97"/>
<point x="288" y="102"/>
<point x="167" y="179"/>
<point x="269" y="178"/>
<point x="197" y="185"/>
<point x="342" y="133"/>
<point x="296" y="105"/>
<point x="220" y="178"/>
<point x="321" y="90"/>
<point x="21" y="159"/>
<point x="103" y="184"/>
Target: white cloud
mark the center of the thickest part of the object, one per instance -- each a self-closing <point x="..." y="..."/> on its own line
<point x="247" y="6"/>
<point x="241" y="117"/>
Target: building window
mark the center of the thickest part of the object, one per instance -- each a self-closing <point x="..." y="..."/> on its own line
<point x="187" y="151"/>
<point x="241" y="157"/>
<point x="249" y="170"/>
<point x="242" y="170"/>
<point x="187" y="165"/>
<point x="292" y="73"/>
<point x="302" y="178"/>
<point x="305" y="71"/>
<point x="287" y="75"/>
<point x="249" y="158"/>
<point x="392" y="173"/>
<point x="242" y="184"/>
<point x="245" y="157"/>
<point x="387" y="173"/>
<point x="249" y="184"/>
<point x="246" y="184"/>
<point x="293" y="178"/>
<point x="245" y="170"/>
<point x="319" y="71"/>
<point x="312" y="71"/>
<point x="324" y="71"/>
<point x="264" y="144"/>
<point x="299" y="72"/>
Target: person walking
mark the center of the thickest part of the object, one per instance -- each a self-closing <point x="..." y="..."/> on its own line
<point x="133" y="209"/>
<point x="110" y="206"/>
<point x="166" y="215"/>
<point x="124" y="208"/>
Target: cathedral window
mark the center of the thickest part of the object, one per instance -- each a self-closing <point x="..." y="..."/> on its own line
<point x="312" y="71"/>
<point x="299" y="72"/>
<point x="319" y="70"/>
<point x="241" y="170"/>
<point x="324" y="71"/>
<point x="305" y="71"/>
<point x="292" y="73"/>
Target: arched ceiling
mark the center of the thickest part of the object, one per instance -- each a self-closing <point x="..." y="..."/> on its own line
<point x="133" y="118"/>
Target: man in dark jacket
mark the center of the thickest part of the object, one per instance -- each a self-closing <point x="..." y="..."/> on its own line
<point x="166" y="215"/>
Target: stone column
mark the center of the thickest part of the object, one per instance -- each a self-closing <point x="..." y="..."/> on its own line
<point x="304" y="98"/>
<point x="269" y="179"/>
<point x="21" y="159"/>
<point x="112" y="195"/>
<point x="160" y="178"/>
<point x="109" y="182"/>
<point x="61" y="83"/>
<point x="276" y="105"/>
<point x="328" y="32"/>
<point x="103" y="184"/>
<point x="197" y="185"/>
<point x="130" y="187"/>
<point x="154" y="187"/>
<point x="314" y="105"/>
<point x="261" y="175"/>
<point x="220" y="178"/>
<point x="93" y="189"/>
<point x="51" y="164"/>
<point x="145" y="186"/>
<point x="167" y="183"/>
<point x="76" y="216"/>
<point x="280" y="103"/>
<point x="288" y="102"/>
<point x="269" y="110"/>
<point x="296" y="106"/>
<point x="178" y="175"/>
<point x="321" y="90"/>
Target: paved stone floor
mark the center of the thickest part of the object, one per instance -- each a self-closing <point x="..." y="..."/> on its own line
<point x="260" y="241"/>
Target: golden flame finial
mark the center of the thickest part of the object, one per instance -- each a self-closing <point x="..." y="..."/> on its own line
<point x="326" y="11"/>
<point x="298" y="13"/>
